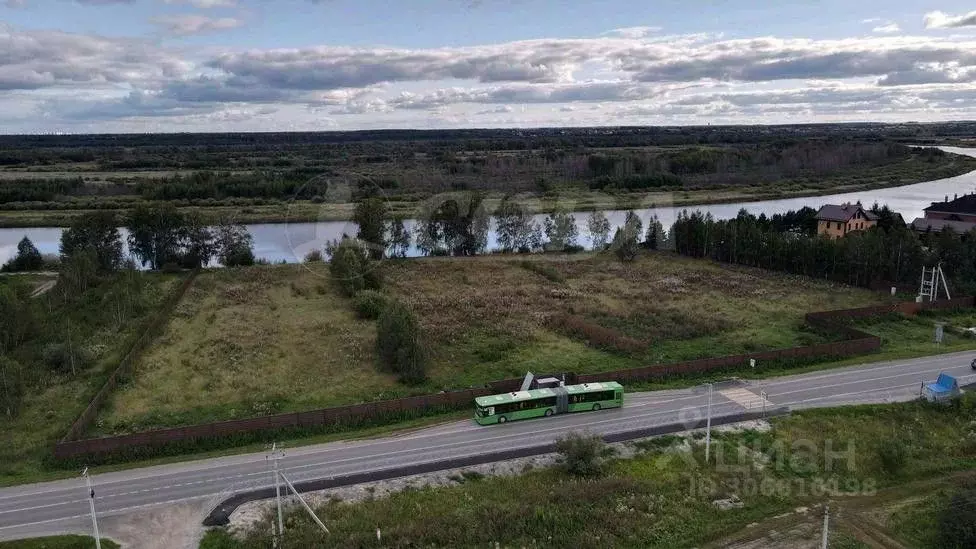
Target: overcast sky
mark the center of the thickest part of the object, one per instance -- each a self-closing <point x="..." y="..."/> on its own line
<point x="246" y="65"/>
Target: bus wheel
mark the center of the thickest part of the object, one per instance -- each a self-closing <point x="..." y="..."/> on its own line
<point x="549" y="412"/>
<point x="502" y="419"/>
<point x="596" y="407"/>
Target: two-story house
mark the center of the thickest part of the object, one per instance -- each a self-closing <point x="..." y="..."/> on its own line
<point x="837" y="221"/>
<point x="958" y="214"/>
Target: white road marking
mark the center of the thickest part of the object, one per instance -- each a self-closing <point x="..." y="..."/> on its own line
<point x="745" y="398"/>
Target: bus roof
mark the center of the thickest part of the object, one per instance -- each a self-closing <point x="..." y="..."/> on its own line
<point x="503" y="398"/>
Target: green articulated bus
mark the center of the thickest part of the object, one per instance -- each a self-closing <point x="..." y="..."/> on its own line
<point x="546" y="402"/>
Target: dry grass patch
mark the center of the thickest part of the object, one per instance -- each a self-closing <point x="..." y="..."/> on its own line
<point x="247" y="342"/>
<point x="679" y="308"/>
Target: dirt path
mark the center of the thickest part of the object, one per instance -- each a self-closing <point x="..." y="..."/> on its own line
<point x="857" y="517"/>
<point x="44" y="288"/>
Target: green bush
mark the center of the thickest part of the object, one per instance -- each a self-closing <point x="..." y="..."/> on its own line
<point x="893" y="454"/>
<point x="370" y="304"/>
<point x="957" y="522"/>
<point x="11" y="387"/>
<point x="218" y="539"/>
<point x="351" y="268"/>
<point x="62" y="357"/>
<point x="314" y="256"/>
<point x="543" y="269"/>
<point x="59" y="542"/>
<point x="583" y="455"/>
<point x="399" y="345"/>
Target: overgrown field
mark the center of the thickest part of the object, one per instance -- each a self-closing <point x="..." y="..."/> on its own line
<point x="907" y="336"/>
<point x="252" y="341"/>
<point x="664" y="496"/>
<point x="496" y="317"/>
<point x="67" y="351"/>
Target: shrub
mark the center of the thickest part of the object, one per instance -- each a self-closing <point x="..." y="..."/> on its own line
<point x="171" y="267"/>
<point x="370" y="304"/>
<point x="351" y="268"/>
<point x="11" y="387"/>
<point x="625" y="245"/>
<point x="957" y="521"/>
<point x="314" y="256"/>
<point x="596" y="335"/>
<point x="398" y="343"/>
<point x="218" y="539"/>
<point x="544" y="269"/>
<point x="63" y="357"/>
<point x="583" y="455"/>
<point x="240" y="257"/>
<point x="893" y="454"/>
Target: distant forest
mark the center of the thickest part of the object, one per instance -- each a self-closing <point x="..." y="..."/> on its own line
<point x="80" y="172"/>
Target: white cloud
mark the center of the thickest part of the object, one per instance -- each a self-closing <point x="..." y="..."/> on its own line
<point x="503" y="109"/>
<point x="940" y="20"/>
<point x="205" y="4"/>
<point x="33" y="59"/>
<point x="633" y="32"/>
<point x="887" y="28"/>
<point x="106" y="82"/>
<point x="189" y="24"/>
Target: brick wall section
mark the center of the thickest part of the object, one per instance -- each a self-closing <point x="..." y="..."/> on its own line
<point x="857" y="342"/>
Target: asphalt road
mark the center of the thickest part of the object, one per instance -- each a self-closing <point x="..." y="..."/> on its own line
<point x="62" y="506"/>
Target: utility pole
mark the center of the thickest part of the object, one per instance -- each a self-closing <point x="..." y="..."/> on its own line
<point x="91" y="504"/>
<point x="276" y="454"/>
<point x="708" y="426"/>
<point x="826" y="526"/>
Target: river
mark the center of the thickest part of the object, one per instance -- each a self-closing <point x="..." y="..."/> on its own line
<point x="291" y="241"/>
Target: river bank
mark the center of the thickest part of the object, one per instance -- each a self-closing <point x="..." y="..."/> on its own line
<point x="895" y="175"/>
<point x="284" y="232"/>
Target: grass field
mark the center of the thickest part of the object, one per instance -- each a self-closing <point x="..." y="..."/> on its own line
<point x="58" y="542"/>
<point x="247" y="342"/>
<point x="498" y="316"/>
<point x="54" y="398"/>
<point x="915" y="335"/>
<point x="663" y="497"/>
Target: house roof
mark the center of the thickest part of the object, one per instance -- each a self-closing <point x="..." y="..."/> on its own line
<point x="833" y="212"/>
<point x="922" y="224"/>
<point x="964" y="204"/>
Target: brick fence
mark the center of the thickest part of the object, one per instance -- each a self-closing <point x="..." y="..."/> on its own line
<point x="856" y="343"/>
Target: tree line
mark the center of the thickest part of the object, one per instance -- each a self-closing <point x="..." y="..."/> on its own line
<point x="890" y="253"/>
